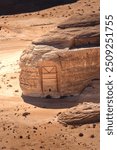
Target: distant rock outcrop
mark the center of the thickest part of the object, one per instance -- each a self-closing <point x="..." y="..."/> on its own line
<point x="76" y="32"/>
<point x="84" y="113"/>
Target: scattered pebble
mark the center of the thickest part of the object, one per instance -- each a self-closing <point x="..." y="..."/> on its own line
<point x="16" y="90"/>
<point x="25" y="114"/>
<point x="20" y="136"/>
<point x="9" y="85"/>
<point x="81" y="134"/>
<point x="92" y="136"/>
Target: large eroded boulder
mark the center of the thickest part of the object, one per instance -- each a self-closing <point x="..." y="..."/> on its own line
<point x="84" y="113"/>
<point x="48" y="71"/>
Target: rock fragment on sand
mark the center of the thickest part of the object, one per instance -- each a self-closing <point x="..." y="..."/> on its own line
<point x="9" y="85"/>
<point x="81" y="134"/>
<point x="81" y="114"/>
<point x="16" y="91"/>
<point x="25" y="114"/>
<point x="92" y="136"/>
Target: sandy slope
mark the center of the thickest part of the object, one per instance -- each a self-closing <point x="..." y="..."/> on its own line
<point x="38" y="129"/>
<point x="28" y="127"/>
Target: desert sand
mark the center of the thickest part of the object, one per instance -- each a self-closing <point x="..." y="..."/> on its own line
<point x="31" y="124"/>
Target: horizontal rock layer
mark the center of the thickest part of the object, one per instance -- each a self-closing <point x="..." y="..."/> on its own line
<point x="76" y="32"/>
<point x="85" y="20"/>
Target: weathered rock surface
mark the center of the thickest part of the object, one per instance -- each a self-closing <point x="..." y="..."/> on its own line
<point x="50" y="71"/>
<point x="70" y="38"/>
<point x="84" y="113"/>
<point x="81" y="21"/>
<point x="76" y="32"/>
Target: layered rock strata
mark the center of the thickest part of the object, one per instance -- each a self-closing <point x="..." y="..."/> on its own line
<point x="82" y="114"/>
<point x="76" y="32"/>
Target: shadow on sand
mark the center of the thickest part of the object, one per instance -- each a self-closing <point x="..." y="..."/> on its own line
<point x="52" y="103"/>
<point x="91" y="93"/>
<point x="10" y="7"/>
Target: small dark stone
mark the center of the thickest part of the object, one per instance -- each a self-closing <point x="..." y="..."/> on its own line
<point x="25" y="114"/>
<point x="49" y="122"/>
<point x="81" y="134"/>
<point x="94" y="125"/>
<point x="41" y="147"/>
<point x="92" y="136"/>
<point x="35" y="128"/>
<point x="21" y="137"/>
<point x="28" y="136"/>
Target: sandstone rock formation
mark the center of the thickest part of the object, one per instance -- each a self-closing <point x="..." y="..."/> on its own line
<point x="48" y="71"/>
<point x="82" y="114"/>
<point x="76" y="32"/>
<point x="63" y="62"/>
<point x="85" y="20"/>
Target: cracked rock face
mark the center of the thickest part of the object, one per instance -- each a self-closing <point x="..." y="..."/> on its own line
<point x="48" y="71"/>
